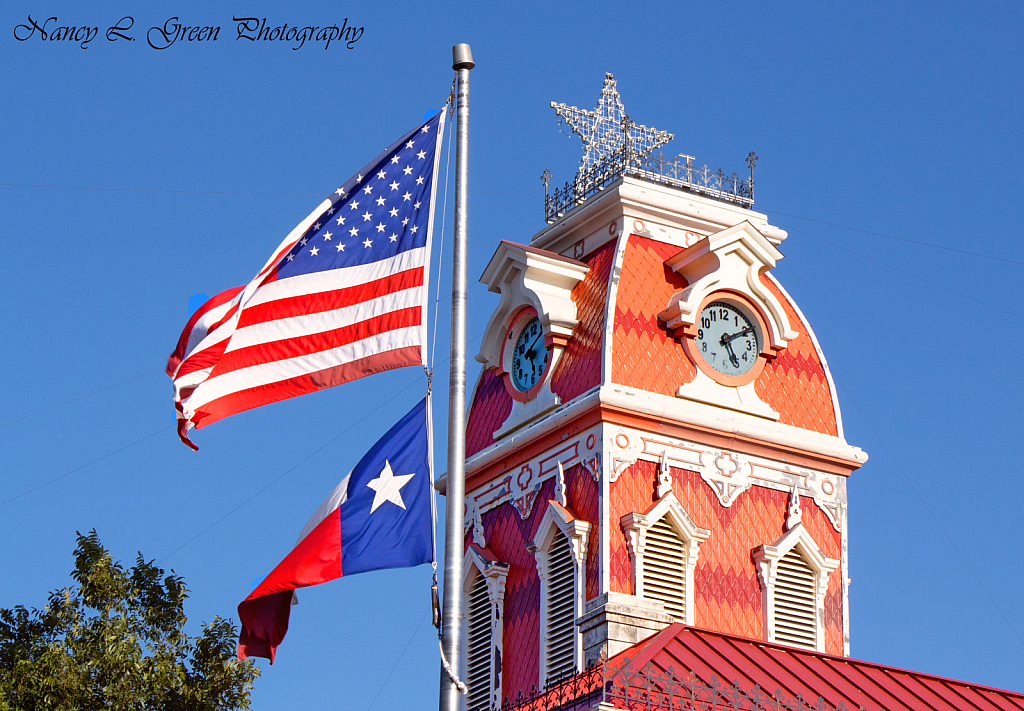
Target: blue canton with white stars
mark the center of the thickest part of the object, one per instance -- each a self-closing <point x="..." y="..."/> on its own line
<point x="381" y="211"/>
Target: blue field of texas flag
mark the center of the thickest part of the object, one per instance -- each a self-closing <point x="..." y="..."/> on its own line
<point x="378" y="517"/>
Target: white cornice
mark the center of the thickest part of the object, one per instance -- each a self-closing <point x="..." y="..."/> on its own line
<point x="676" y="410"/>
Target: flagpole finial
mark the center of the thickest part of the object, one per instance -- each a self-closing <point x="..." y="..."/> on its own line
<point x="462" y="57"/>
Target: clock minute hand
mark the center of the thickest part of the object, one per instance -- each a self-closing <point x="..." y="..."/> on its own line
<point x="535" y="341"/>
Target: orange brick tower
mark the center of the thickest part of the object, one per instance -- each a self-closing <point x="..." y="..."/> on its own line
<point x="655" y="436"/>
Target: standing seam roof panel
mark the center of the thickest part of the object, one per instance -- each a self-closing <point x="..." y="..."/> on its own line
<point x="795" y="671"/>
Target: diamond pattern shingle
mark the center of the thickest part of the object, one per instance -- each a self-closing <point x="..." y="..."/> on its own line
<point x="582" y="499"/>
<point x="580" y="366"/>
<point x="507" y="536"/>
<point x="491" y="406"/>
<point x="726" y="590"/>
<point x="794" y="383"/>
<point x="644" y="355"/>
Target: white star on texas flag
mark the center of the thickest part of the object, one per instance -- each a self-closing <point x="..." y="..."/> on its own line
<point x="388" y="487"/>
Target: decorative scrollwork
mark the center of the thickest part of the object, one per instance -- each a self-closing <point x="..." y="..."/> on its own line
<point x="676" y="172"/>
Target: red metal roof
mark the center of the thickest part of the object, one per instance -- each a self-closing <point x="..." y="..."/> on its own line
<point x="839" y="681"/>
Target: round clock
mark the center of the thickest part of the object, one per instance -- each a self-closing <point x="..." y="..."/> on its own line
<point x="727" y="339"/>
<point x="530" y="356"/>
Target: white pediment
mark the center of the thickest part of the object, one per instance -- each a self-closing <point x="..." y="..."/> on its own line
<point x="527" y="276"/>
<point x="731" y="260"/>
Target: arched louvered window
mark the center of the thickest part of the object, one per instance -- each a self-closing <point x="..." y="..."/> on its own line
<point x="794" y="573"/>
<point x="478" y="647"/>
<point x="664" y="570"/>
<point x="560" y="609"/>
<point x="795" y="601"/>
<point x="664" y="544"/>
<point x="560" y="548"/>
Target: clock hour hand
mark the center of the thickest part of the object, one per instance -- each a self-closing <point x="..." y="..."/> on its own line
<point x="732" y="356"/>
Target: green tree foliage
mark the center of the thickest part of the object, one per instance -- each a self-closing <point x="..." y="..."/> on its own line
<point x="116" y="640"/>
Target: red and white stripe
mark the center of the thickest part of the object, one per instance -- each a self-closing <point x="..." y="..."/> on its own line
<point x="271" y="340"/>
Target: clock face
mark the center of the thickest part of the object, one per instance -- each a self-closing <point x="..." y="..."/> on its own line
<point x="530" y="357"/>
<point x="727" y="339"/>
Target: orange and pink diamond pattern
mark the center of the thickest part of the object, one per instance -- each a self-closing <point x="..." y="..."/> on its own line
<point x="507" y="536"/>
<point x="727" y="594"/>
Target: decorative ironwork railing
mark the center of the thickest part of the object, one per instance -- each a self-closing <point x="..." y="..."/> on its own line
<point x="651" y="689"/>
<point x="677" y="172"/>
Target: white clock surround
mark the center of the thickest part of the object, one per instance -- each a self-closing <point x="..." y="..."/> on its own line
<point x="728" y="266"/>
<point x="529" y="278"/>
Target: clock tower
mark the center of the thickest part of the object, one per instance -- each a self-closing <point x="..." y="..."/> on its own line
<point x="654" y="436"/>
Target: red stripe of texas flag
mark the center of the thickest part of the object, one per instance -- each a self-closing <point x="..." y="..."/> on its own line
<point x="316" y="559"/>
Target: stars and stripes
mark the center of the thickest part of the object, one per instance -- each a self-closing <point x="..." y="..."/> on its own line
<point x="342" y="297"/>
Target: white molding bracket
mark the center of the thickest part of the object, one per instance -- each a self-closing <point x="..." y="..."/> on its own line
<point x="766" y="559"/>
<point x="635" y="527"/>
<point x="732" y="259"/>
<point x="558" y="521"/>
<point x="741" y="398"/>
<point x="527" y="276"/>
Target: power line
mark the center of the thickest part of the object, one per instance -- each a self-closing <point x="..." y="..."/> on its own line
<point x="80" y="397"/>
<point x="901" y="239"/>
<point x="214" y="192"/>
<point x="78" y="469"/>
<point x="909" y="274"/>
<point x="929" y="510"/>
<point x="300" y="463"/>
<point x="922" y="243"/>
<point x="288" y="471"/>
<point x="395" y="666"/>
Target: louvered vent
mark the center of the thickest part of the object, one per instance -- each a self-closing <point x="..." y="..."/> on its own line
<point x="795" y="608"/>
<point x="478" y="646"/>
<point x="665" y="568"/>
<point x="561" y="611"/>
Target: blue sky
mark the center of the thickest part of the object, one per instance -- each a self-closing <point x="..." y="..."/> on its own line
<point x="897" y="119"/>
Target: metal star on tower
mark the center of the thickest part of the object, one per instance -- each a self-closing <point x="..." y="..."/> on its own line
<point x="607" y="128"/>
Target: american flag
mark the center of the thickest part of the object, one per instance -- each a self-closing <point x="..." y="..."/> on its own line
<point x="342" y="297"/>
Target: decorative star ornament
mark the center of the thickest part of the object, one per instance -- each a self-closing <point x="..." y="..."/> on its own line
<point x="388" y="487"/>
<point x="605" y="129"/>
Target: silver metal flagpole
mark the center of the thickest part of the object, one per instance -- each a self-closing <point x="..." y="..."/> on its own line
<point x="462" y="62"/>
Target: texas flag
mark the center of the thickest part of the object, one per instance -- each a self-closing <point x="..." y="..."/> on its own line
<point x="378" y="517"/>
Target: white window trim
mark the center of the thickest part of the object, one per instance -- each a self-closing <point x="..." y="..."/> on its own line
<point x="558" y="521"/>
<point x="766" y="557"/>
<point x="635" y="526"/>
<point x="477" y="562"/>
